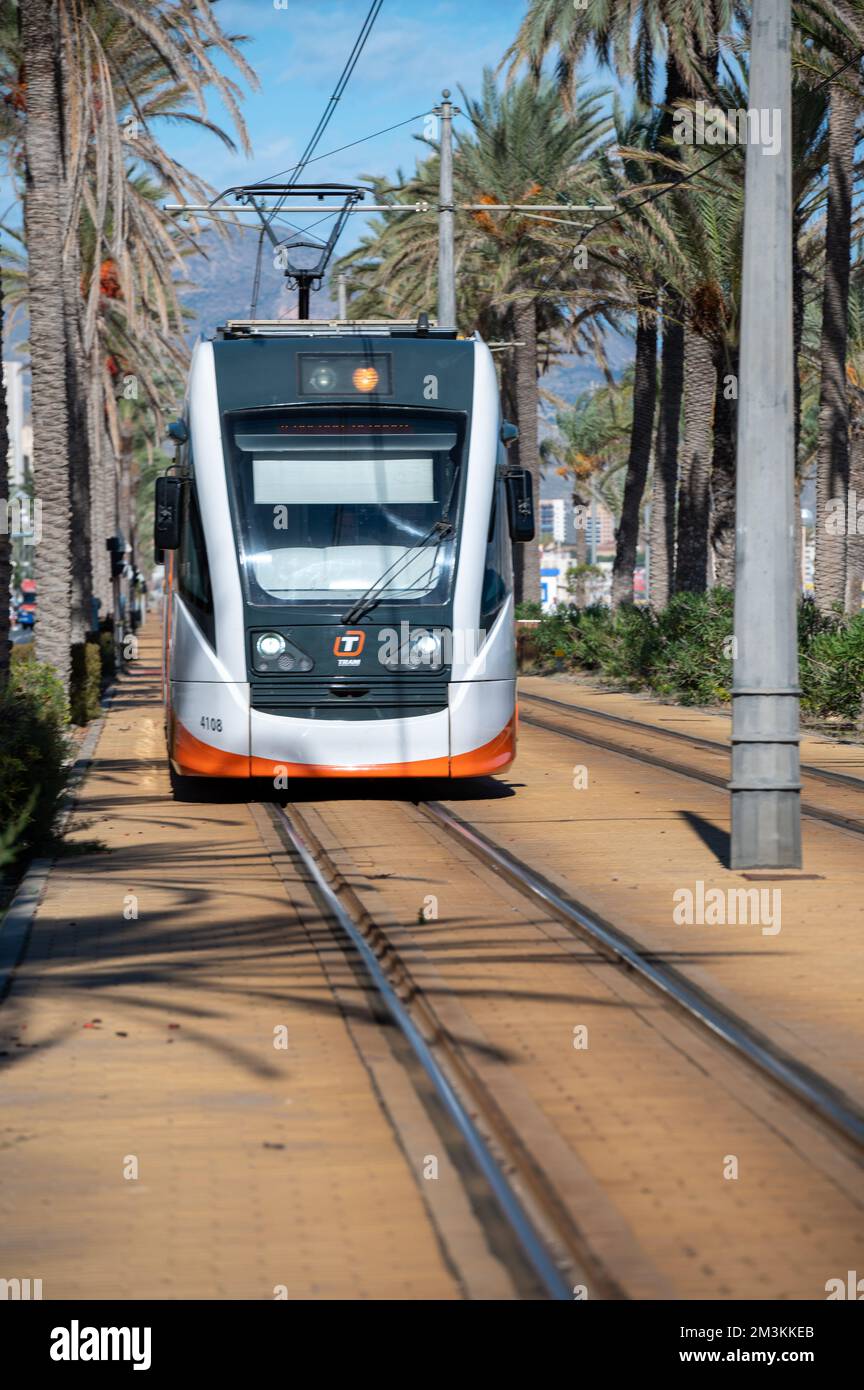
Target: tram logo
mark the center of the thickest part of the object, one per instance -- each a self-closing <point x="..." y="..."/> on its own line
<point x="350" y="643"/>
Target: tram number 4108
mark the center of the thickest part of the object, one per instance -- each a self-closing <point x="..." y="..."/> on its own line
<point x="208" y="723"/>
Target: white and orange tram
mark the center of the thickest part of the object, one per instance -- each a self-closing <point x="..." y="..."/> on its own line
<point x="338" y="526"/>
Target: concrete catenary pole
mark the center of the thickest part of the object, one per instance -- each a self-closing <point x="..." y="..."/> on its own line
<point x="446" y="217"/>
<point x="342" y="285"/>
<point x="765" y="786"/>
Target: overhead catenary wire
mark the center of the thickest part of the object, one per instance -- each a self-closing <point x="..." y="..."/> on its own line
<point x="337" y="94"/>
<point x="335" y="98"/>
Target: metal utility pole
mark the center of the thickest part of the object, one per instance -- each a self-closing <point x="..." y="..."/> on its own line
<point x="446" y="218"/>
<point x="765" y="786"/>
<point x="343" y="295"/>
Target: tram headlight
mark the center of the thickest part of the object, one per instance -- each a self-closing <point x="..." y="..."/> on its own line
<point x="270" y="645"/>
<point x="424" y="648"/>
<point x="323" y="378"/>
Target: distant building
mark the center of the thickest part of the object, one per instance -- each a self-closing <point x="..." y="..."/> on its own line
<point x="553" y="520"/>
<point x="566" y="524"/>
<point x="555" y="563"/>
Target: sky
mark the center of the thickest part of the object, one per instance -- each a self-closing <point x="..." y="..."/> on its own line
<point x="416" y="48"/>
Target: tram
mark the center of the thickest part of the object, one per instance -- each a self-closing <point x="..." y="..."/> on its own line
<point x="337" y="532"/>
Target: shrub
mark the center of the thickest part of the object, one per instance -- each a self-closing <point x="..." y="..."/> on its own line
<point x="85" y="685"/>
<point x="529" y="609"/>
<point x="555" y="639"/>
<point x="33" y="752"/>
<point x="634" y="647"/>
<point x="832" y="668"/>
<point x="693" y="659"/>
<point x="685" y="651"/>
<point x="105" y="638"/>
<point x="595" y="637"/>
<point x="38" y="681"/>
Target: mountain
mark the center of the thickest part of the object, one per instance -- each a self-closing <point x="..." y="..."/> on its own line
<point x="220" y="284"/>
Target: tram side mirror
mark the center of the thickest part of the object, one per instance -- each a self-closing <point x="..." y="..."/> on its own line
<point x="509" y="433"/>
<point x="167" y="513"/>
<point x="178" y="430"/>
<point x="520" y="504"/>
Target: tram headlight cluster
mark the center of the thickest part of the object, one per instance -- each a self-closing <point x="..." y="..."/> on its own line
<point x="419" y="648"/>
<point x="346" y="374"/>
<point x="273" y="652"/>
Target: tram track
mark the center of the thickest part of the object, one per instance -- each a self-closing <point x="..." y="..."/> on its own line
<point x="495" y="1149"/>
<point x="803" y="1084"/>
<point x="569" y="720"/>
<point x="531" y="1195"/>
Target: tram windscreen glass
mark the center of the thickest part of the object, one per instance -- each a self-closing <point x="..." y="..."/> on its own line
<point x="327" y="506"/>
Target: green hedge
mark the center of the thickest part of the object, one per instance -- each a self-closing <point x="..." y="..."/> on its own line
<point x="105" y="637"/>
<point x="85" y="685"/>
<point x="684" y="652"/>
<point x="33" y="751"/>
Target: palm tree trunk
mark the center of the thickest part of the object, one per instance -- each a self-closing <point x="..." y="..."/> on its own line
<point x="855" y="542"/>
<point x="641" y="432"/>
<point x="723" y="467"/>
<point x="101" y="470"/>
<point x="79" y="450"/>
<point x="526" y="558"/>
<point x="691" y="568"/>
<point x="579" y="592"/>
<point x="832" y="468"/>
<point x="664" y="485"/>
<point x="665" y="482"/>
<point x="797" y="327"/>
<point x="797" y="337"/>
<point x="5" y="527"/>
<point x="43" y="222"/>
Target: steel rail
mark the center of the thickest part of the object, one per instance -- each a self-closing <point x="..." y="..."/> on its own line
<point x="807" y="1086"/>
<point x="823" y="774"/>
<point x="856" y="827"/>
<point x="509" y="1203"/>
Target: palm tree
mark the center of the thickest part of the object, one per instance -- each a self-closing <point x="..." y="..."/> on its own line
<point x="832" y="475"/>
<point x="628" y="251"/>
<point x="108" y="54"/>
<point x="521" y="147"/>
<point x="627" y="37"/>
<point x="49" y="405"/>
<point x="591" y="445"/>
<point x="839" y="32"/>
<point x="5" y="524"/>
<point x="855" y="375"/>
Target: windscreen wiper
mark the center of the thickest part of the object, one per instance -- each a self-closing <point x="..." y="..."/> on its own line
<point x="367" y="601"/>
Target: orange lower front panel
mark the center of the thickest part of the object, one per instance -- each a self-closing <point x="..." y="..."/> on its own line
<point x="193" y="758"/>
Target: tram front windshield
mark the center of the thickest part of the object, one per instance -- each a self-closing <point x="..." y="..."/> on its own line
<point x="327" y="506"/>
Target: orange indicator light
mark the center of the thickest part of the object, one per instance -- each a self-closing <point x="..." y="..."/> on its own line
<point x="365" y="378"/>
